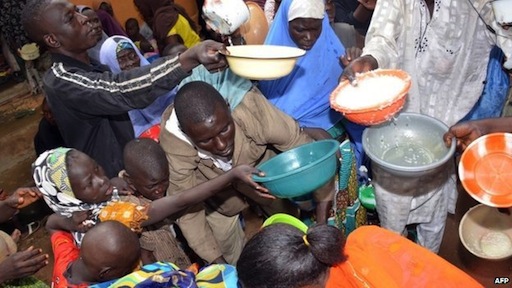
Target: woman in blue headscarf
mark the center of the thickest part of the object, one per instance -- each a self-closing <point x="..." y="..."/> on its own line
<point x="120" y="53"/>
<point x="304" y="93"/>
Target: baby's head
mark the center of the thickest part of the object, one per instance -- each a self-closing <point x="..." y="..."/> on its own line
<point x="70" y="181"/>
<point x="146" y="167"/>
<point x="109" y="251"/>
<point x="281" y="255"/>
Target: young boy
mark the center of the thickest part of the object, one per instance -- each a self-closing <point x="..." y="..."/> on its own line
<point x="109" y="251"/>
<point x="147" y="174"/>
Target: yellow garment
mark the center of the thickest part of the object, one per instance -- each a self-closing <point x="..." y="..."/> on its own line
<point x="183" y="29"/>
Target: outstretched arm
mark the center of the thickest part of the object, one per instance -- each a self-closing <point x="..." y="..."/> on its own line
<point x="466" y="132"/>
<point x="166" y="206"/>
<point x="19" y="199"/>
<point x="22" y="264"/>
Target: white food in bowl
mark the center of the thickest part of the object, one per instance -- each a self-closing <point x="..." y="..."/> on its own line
<point x="495" y="244"/>
<point x="486" y="233"/>
<point x="370" y="92"/>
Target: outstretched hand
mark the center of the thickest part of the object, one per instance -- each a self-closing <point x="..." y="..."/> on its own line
<point x="23" y="197"/>
<point x="22" y="264"/>
<point x="244" y="173"/>
<point x="464" y="134"/>
<point x="208" y="53"/>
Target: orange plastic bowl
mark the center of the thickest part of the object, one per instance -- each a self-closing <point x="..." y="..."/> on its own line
<point x="374" y="113"/>
<point x="485" y="169"/>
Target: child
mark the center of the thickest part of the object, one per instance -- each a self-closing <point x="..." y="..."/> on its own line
<point x="147" y="174"/>
<point x="109" y="250"/>
<point x="286" y="256"/>
<point x="71" y="181"/>
<point x="146" y="46"/>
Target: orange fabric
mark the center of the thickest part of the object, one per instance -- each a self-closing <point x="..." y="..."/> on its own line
<point x="380" y="258"/>
<point x="128" y="213"/>
<point x="65" y="252"/>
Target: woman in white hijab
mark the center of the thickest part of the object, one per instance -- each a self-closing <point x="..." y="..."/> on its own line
<point x="120" y="54"/>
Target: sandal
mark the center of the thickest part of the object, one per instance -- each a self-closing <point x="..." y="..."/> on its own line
<point x="32" y="227"/>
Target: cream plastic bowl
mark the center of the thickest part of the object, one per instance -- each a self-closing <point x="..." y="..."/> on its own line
<point x="486" y="233"/>
<point x="262" y="62"/>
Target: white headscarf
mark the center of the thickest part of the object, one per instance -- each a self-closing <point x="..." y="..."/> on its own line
<point x="306" y="9"/>
<point x="108" y="52"/>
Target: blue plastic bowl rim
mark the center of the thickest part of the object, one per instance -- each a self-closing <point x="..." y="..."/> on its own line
<point x="409" y="169"/>
<point x="327" y="155"/>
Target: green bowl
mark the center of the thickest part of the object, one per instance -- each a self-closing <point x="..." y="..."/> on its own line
<point x="301" y="170"/>
<point x="286" y="219"/>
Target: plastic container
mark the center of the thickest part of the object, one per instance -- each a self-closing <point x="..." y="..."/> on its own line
<point x="485" y="169"/>
<point x="262" y="62"/>
<point x="502" y="11"/>
<point x="374" y="112"/>
<point x="225" y="16"/>
<point x="29" y="52"/>
<point x="486" y="233"/>
<point x="411" y="145"/>
<point x="301" y="170"/>
<point x="281" y="218"/>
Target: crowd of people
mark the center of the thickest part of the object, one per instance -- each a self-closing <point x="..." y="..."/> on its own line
<point x="149" y="141"/>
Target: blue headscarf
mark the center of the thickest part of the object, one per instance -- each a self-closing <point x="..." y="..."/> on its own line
<point x="304" y="93"/>
<point x="142" y="119"/>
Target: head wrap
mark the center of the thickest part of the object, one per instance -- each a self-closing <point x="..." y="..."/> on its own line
<point x="123" y="45"/>
<point x="112" y="46"/>
<point x="304" y="93"/>
<point x="50" y="174"/>
<point x="306" y="9"/>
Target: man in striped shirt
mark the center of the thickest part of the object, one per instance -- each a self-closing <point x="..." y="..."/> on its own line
<point x="90" y="104"/>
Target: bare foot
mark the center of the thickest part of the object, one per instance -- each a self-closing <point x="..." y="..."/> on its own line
<point x="16" y="235"/>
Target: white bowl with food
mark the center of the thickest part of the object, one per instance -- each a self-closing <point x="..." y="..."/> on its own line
<point x="262" y="62"/>
<point x="486" y="232"/>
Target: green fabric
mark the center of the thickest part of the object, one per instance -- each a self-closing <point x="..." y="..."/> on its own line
<point x="29" y="282"/>
<point x="231" y="86"/>
<point x="337" y="130"/>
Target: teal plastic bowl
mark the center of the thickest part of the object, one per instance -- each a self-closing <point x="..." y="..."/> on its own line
<point x="301" y="170"/>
